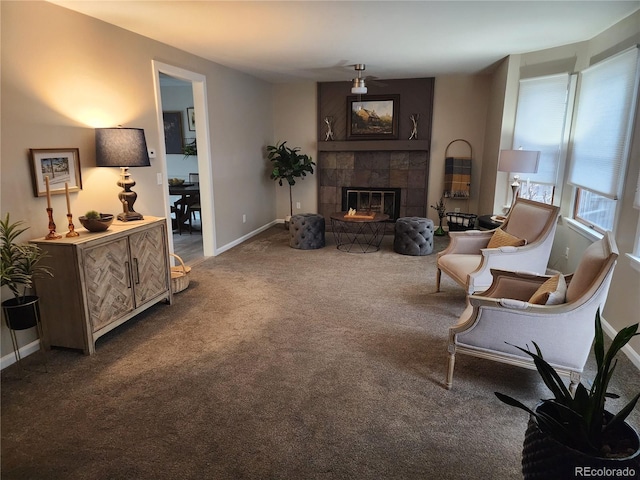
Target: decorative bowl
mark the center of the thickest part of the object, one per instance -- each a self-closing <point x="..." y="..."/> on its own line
<point x="174" y="182"/>
<point x="97" y="224"/>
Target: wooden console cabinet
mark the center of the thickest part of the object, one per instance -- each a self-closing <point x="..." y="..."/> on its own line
<point x="101" y="280"/>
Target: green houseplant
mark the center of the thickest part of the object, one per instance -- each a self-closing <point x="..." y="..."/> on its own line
<point x="580" y="423"/>
<point x="288" y="165"/>
<point x="19" y="264"/>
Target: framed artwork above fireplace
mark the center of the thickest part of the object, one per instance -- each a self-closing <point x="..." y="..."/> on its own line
<point x="373" y="117"/>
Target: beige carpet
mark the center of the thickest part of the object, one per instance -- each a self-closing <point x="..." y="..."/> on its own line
<point x="277" y="363"/>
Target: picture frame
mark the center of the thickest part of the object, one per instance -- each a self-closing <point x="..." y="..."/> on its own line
<point x="191" y="119"/>
<point x="373" y="117"/>
<point x="173" y="132"/>
<point x="61" y="165"/>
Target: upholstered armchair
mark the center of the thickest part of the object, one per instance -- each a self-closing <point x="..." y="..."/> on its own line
<point x="563" y="326"/>
<point x="523" y="243"/>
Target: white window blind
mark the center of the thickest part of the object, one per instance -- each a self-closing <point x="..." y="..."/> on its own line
<point x="602" y="130"/>
<point x="540" y="122"/>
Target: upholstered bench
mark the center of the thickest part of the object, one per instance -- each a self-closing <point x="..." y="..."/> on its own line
<point x="413" y="236"/>
<point x="306" y="231"/>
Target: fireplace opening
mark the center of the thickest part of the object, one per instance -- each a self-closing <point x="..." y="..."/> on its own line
<point x="379" y="200"/>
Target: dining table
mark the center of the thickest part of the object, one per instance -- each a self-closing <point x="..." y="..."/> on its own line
<point x="186" y="191"/>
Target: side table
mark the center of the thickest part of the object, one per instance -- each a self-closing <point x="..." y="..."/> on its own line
<point x="364" y="234"/>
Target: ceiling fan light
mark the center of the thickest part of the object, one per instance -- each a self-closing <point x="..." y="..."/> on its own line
<point x="358" y="86"/>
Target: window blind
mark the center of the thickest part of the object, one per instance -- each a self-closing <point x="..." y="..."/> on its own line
<point x="604" y="119"/>
<point x="540" y="122"/>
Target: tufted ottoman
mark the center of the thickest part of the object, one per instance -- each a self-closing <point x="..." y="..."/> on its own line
<point x="306" y="231"/>
<point x="413" y="236"/>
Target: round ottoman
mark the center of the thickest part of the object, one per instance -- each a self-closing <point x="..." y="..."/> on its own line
<point x="413" y="236"/>
<point x="306" y="231"/>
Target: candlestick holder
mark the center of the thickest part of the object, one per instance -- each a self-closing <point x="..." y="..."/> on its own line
<point x="52" y="227"/>
<point x="72" y="229"/>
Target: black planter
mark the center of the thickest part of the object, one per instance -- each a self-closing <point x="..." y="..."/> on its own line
<point x="21" y="315"/>
<point x="543" y="457"/>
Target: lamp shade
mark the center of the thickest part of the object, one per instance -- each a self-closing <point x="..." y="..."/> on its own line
<point x="518" y="161"/>
<point x="121" y="147"/>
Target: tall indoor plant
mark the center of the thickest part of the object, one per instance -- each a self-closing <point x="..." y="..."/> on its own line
<point x="288" y="165"/>
<point x="569" y="432"/>
<point x="19" y="264"/>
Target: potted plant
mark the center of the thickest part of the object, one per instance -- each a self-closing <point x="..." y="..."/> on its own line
<point x="568" y="432"/>
<point x="288" y="165"/>
<point x="19" y="264"/>
<point x="441" y="209"/>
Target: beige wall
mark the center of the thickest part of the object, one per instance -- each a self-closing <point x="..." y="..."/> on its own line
<point x="64" y="74"/>
<point x="294" y="112"/>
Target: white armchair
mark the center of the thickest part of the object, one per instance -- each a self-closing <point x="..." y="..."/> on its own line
<point x="502" y="315"/>
<point x="468" y="261"/>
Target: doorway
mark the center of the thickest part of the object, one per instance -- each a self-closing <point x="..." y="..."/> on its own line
<point x="175" y="88"/>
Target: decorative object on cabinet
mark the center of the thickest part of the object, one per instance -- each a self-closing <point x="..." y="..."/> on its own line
<point x="414" y="117"/>
<point x="518" y="161"/>
<point x="457" y="173"/>
<point x="102" y="280"/>
<point x="20" y="264"/>
<point x="124" y="148"/>
<point x="96" y="222"/>
<point x="191" y="119"/>
<point x="373" y="118"/>
<point x="61" y="165"/>
<point x="329" y="133"/>
<point x="173" y="132"/>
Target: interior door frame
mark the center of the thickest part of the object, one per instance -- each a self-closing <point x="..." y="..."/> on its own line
<point x="199" y="86"/>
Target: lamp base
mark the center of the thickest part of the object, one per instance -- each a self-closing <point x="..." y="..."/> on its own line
<point x="130" y="216"/>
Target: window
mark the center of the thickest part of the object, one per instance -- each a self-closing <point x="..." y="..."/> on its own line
<point x="601" y="138"/>
<point x="541" y="120"/>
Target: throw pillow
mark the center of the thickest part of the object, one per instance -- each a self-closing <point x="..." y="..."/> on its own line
<point x="551" y="292"/>
<point x="500" y="238"/>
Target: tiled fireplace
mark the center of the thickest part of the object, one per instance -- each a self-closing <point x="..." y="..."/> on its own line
<point x="403" y="172"/>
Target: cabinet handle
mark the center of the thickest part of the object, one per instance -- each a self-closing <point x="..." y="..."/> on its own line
<point x="126" y="264"/>
<point x="135" y="260"/>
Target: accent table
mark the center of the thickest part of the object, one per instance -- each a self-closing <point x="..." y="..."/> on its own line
<point x="364" y="234"/>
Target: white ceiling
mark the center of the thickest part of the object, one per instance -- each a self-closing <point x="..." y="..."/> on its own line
<point x="305" y="40"/>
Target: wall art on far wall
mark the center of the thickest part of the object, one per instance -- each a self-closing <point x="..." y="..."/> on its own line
<point x="191" y="119"/>
<point x="173" y="132"/>
<point x="373" y="117"/>
<point x="61" y="165"/>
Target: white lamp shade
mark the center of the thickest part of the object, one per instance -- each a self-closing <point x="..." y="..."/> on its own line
<point x="518" y="161"/>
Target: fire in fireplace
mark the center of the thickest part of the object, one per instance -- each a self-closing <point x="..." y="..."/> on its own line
<point x="381" y="200"/>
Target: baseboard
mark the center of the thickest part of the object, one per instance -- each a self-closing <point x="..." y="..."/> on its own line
<point x="246" y="237"/>
<point x="631" y="354"/>
<point x="25" y="351"/>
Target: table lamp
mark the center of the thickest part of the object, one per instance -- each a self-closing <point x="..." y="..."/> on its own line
<point x="520" y="161"/>
<point x="124" y="148"/>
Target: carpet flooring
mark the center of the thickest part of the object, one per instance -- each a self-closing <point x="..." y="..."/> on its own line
<point x="278" y="363"/>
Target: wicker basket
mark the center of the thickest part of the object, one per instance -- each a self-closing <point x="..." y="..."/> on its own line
<point x="179" y="276"/>
<point x="461" y="221"/>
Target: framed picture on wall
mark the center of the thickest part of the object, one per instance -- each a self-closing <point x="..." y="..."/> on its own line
<point x="173" y="133"/>
<point x="191" y="119"/>
<point x="61" y="165"/>
<point x="373" y="117"/>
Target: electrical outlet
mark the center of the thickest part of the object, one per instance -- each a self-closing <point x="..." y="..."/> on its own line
<point x="244" y="218"/>
<point x="159" y="178"/>
<point x="566" y="253"/>
<point x="456" y="210"/>
<point x="298" y="205"/>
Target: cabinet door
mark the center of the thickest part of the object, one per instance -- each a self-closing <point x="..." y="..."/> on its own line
<point x="108" y="282"/>
<point x="149" y="263"/>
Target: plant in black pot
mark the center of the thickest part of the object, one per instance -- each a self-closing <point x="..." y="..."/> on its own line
<point x="288" y="165"/>
<point x="573" y="436"/>
<point x="19" y="264"/>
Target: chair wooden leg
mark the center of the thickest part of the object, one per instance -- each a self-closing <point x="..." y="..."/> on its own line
<point x="438" y="273"/>
<point x="573" y="382"/>
<point x="452" y="362"/>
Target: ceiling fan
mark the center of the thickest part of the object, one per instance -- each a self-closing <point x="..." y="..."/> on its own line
<point x="359" y="84"/>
